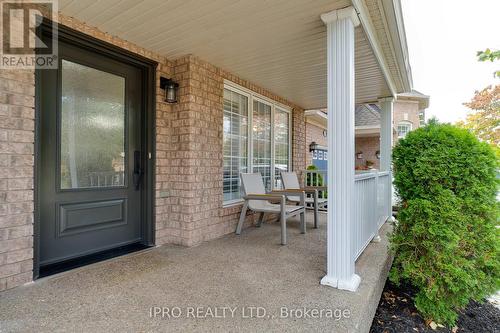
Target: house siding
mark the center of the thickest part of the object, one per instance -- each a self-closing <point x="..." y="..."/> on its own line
<point x="188" y="180"/>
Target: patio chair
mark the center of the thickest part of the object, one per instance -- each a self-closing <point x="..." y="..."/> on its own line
<point x="291" y="181"/>
<point x="257" y="200"/>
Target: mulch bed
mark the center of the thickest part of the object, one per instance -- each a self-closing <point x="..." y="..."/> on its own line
<point x="397" y="314"/>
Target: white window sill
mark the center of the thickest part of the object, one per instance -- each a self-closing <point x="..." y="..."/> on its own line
<point x="232" y="203"/>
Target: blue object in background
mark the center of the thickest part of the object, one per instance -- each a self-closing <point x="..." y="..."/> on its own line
<point x="320" y="160"/>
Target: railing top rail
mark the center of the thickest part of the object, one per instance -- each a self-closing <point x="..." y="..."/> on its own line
<point x="360" y="175"/>
<point x="367" y="175"/>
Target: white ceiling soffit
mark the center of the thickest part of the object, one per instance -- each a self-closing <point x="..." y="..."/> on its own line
<point x="414" y="95"/>
<point x="367" y="131"/>
<point x="279" y="45"/>
<point x="383" y="22"/>
<point x="317" y="118"/>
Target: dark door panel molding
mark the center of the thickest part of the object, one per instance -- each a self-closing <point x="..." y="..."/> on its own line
<point x="75" y="218"/>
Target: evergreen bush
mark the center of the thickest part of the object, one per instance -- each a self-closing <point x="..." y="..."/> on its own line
<point x="446" y="240"/>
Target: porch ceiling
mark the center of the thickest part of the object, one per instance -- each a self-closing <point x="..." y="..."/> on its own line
<point x="279" y="44"/>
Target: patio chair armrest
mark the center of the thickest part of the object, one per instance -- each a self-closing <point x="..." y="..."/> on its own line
<point x="289" y="191"/>
<point x="265" y="197"/>
<point x="315" y="188"/>
<point x="293" y="192"/>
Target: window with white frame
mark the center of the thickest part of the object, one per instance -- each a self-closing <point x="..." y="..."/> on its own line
<point x="281" y="144"/>
<point x="264" y="148"/>
<point x="261" y="141"/>
<point x="235" y="142"/>
<point x="404" y="128"/>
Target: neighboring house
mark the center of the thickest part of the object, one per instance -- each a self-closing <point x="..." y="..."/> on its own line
<point x="408" y="115"/>
<point x="245" y="71"/>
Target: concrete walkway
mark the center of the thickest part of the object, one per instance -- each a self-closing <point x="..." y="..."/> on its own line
<point x="247" y="283"/>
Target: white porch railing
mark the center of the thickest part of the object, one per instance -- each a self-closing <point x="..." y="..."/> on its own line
<point x="384" y="196"/>
<point x="314" y="178"/>
<point x="372" y="202"/>
<point x="372" y="206"/>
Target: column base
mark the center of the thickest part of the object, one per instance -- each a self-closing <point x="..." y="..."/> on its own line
<point x="351" y="284"/>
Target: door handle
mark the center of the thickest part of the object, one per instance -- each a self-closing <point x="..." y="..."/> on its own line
<point x="137" y="175"/>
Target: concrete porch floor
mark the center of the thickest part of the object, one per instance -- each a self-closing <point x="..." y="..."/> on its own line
<point x="251" y="270"/>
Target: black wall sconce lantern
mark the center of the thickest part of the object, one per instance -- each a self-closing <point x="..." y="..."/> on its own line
<point x="377" y="153"/>
<point x="313" y="146"/>
<point x="359" y="155"/>
<point x="170" y="88"/>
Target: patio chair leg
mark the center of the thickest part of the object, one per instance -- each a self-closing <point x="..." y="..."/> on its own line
<point x="316" y="209"/>
<point x="261" y="219"/>
<point x="242" y="218"/>
<point x="303" y="221"/>
<point x="283" y="229"/>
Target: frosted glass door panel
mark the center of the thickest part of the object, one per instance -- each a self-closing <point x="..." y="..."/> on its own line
<point x="92" y="128"/>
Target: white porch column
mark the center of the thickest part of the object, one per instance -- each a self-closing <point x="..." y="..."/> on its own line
<point x="386" y="135"/>
<point x="340" y="48"/>
<point x="386" y="105"/>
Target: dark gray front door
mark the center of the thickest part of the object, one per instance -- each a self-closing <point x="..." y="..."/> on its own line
<point x="90" y="177"/>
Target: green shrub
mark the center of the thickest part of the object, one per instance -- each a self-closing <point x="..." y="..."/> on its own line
<point x="316" y="179"/>
<point x="446" y="241"/>
<point x="313" y="179"/>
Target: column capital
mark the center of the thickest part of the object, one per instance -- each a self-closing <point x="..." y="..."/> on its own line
<point x="339" y="14"/>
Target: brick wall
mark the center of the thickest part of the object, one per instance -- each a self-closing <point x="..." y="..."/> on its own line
<point x="17" y="91"/>
<point x="196" y="152"/>
<point x="299" y="142"/>
<point x="188" y="204"/>
<point x="314" y="134"/>
<point x="403" y="111"/>
<point x="368" y="146"/>
<point x="407" y="111"/>
<point x="166" y="217"/>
